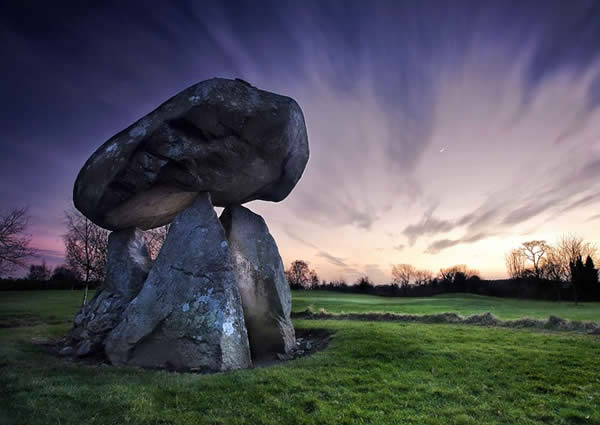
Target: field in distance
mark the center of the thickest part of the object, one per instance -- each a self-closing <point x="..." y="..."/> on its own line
<point x="463" y="304"/>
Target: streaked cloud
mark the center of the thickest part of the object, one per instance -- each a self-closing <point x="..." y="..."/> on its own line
<point x="336" y="261"/>
<point x="509" y="92"/>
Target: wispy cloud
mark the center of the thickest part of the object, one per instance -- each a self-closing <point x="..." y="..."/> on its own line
<point x="297" y="238"/>
<point x="439" y="245"/>
<point x="336" y="261"/>
<point x="528" y="211"/>
<point x="428" y="225"/>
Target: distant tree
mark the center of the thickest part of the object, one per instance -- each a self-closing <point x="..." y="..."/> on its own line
<point x="577" y="276"/>
<point x="155" y="238"/>
<point x="568" y="248"/>
<point x="64" y="273"/>
<point x="590" y="287"/>
<point x="564" y="255"/>
<point x="314" y="280"/>
<point x="455" y="277"/>
<point x="402" y="275"/>
<point x="450" y="274"/>
<point x="422" y="277"/>
<point x="38" y="272"/>
<point x="552" y="270"/>
<point x="472" y="274"/>
<point x="299" y="275"/>
<point x="534" y="252"/>
<point x="515" y="261"/>
<point x="363" y="284"/>
<point x="86" y="248"/>
<point x="340" y="284"/>
<point x="14" y="242"/>
<point x="447" y="275"/>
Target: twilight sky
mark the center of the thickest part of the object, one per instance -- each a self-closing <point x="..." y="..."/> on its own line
<point x="440" y="132"/>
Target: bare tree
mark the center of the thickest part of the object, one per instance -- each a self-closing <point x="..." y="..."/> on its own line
<point x="534" y="252"/>
<point x="516" y="263"/>
<point x="14" y="242"/>
<point x="39" y="272"/>
<point x="299" y="275"/>
<point x="422" y="277"/>
<point x="86" y="248"/>
<point x="314" y="279"/>
<point x="451" y="273"/>
<point x="403" y="274"/>
<point x="155" y="238"/>
<point x="568" y="248"/>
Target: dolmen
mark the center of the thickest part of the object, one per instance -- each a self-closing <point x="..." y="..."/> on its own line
<point x="216" y="297"/>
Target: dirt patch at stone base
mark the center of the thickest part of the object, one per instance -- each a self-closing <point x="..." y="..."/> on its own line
<point x="309" y="341"/>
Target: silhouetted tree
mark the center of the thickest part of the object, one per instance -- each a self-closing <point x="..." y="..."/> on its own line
<point x="590" y="279"/>
<point x="86" y="248"/>
<point x="534" y="252"/>
<point x="340" y="284"/>
<point x="454" y="278"/>
<point x="515" y="264"/>
<point x="402" y="274"/>
<point x="567" y="250"/>
<point x="64" y="273"/>
<point x="14" y="242"/>
<point x="38" y="272"/>
<point x="422" y="277"/>
<point x="299" y="275"/>
<point x="552" y="270"/>
<point x="577" y="277"/>
<point x="314" y="280"/>
<point x="363" y="284"/>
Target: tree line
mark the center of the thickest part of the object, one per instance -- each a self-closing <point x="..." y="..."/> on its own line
<point x="537" y="270"/>
<point x="407" y="281"/>
<point x="563" y="271"/>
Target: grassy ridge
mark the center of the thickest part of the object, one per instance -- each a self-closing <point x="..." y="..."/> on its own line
<point x="372" y="373"/>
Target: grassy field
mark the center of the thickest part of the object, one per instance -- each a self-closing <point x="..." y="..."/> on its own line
<point x="463" y="304"/>
<point x="371" y="373"/>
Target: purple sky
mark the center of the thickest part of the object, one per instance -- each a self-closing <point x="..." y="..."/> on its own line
<point x="440" y="132"/>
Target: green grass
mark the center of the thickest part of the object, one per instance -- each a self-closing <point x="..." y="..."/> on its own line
<point x="463" y="304"/>
<point x="40" y="307"/>
<point x="371" y="373"/>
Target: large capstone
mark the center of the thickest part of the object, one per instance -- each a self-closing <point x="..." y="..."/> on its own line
<point x="264" y="289"/>
<point x="220" y="136"/>
<point x="188" y="315"/>
<point x="127" y="266"/>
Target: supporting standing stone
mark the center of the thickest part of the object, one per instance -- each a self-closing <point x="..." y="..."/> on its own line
<point x="265" y="292"/>
<point x="127" y="266"/>
<point x="188" y="315"/>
